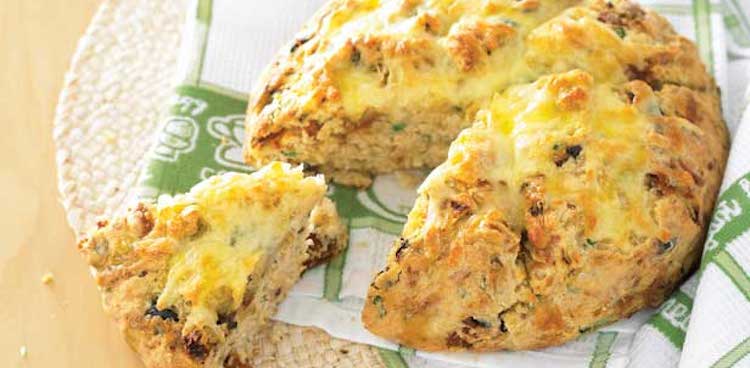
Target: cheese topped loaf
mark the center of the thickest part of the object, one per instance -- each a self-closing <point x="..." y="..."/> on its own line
<point x="569" y="204"/>
<point x="192" y="280"/>
<point x="373" y="86"/>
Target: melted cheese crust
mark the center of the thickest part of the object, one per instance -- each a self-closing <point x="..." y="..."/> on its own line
<point x="525" y="127"/>
<point x="181" y="276"/>
<point x="441" y="58"/>
<point x="225" y="226"/>
<point x="376" y="86"/>
<point x="570" y="203"/>
<point x="419" y="68"/>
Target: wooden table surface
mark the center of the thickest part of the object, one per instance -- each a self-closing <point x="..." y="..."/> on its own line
<point x="60" y="324"/>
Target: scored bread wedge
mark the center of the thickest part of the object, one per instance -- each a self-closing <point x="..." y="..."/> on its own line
<point x="193" y="279"/>
<point x="571" y="203"/>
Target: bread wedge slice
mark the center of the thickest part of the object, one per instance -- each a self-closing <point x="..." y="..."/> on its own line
<point x="571" y="203"/>
<point x="193" y="280"/>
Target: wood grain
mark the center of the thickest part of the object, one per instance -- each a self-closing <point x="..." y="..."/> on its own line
<point x="61" y="324"/>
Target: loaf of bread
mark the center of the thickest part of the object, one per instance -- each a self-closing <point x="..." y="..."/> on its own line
<point x="193" y="280"/>
<point x="577" y="194"/>
<point x="568" y="205"/>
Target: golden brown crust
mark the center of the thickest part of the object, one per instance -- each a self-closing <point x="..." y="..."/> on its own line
<point x="130" y="279"/>
<point x="528" y="234"/>
<point x="136" y="261"/>
<point x="353" y="100"/>
<point x="368" y="88"/>
<point x="572" y="202"/>
<point x="327" y="234"/>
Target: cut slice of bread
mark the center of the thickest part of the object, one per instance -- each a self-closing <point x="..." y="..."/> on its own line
<point x="192" y="280"/>
<point x="571" y="203"/>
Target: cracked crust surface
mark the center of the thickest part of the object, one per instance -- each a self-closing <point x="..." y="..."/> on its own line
<point x="372" y="86"/>
<point x="572" y="201"/>
<point x="193" y="280"/>
<point x="538" y="229"/>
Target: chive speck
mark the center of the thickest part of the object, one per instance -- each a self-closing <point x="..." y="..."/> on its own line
<point x="510" y="22"/>
<point x="620" y="32"/>
<point x="590" y="243"/>
<point x="397" y="127"/>
<point x="378" y="302"/>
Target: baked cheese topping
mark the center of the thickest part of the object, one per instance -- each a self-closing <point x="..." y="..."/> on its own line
<point x="432" y="52"/>
<point x="563" y="128"/>
<point x="222" y="229"/>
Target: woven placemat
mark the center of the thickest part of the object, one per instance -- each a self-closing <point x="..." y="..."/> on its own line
<point x="119" y="80"/>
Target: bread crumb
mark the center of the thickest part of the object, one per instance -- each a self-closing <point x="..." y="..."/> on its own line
<point x="110" y="138"/>
<point x="23" y="351"/>
<point x="48" y="278"/>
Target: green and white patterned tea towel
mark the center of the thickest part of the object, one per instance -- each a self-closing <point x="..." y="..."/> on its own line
<point x="227" y="43"/>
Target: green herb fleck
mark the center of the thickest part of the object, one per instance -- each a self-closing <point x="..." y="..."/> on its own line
<point x="620" y="32"/>
<point x="510" y="22"/>
<point x="590" y="243"/>
<point x="397" y="127"/>
<point x="378" y="302"/>
<point x="289" y="153"/>
<point x="573" y="289"/>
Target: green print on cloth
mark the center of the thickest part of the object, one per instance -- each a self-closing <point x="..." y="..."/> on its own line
<point x="734" y="355"/>
<point x="731" y="220"/>
<point x="383" y="206"/>
<point x="604" y="342"/>
<point x="673" y="317"/>
<point x="203" y="135"/>
<point x="392" y="359"/>
<point x="737" y="22"/>
<point x="200" y="137"/>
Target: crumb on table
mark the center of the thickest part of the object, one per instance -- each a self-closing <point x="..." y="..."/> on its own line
<point x="23" y="351"/>
<point x="48" y="278"/>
